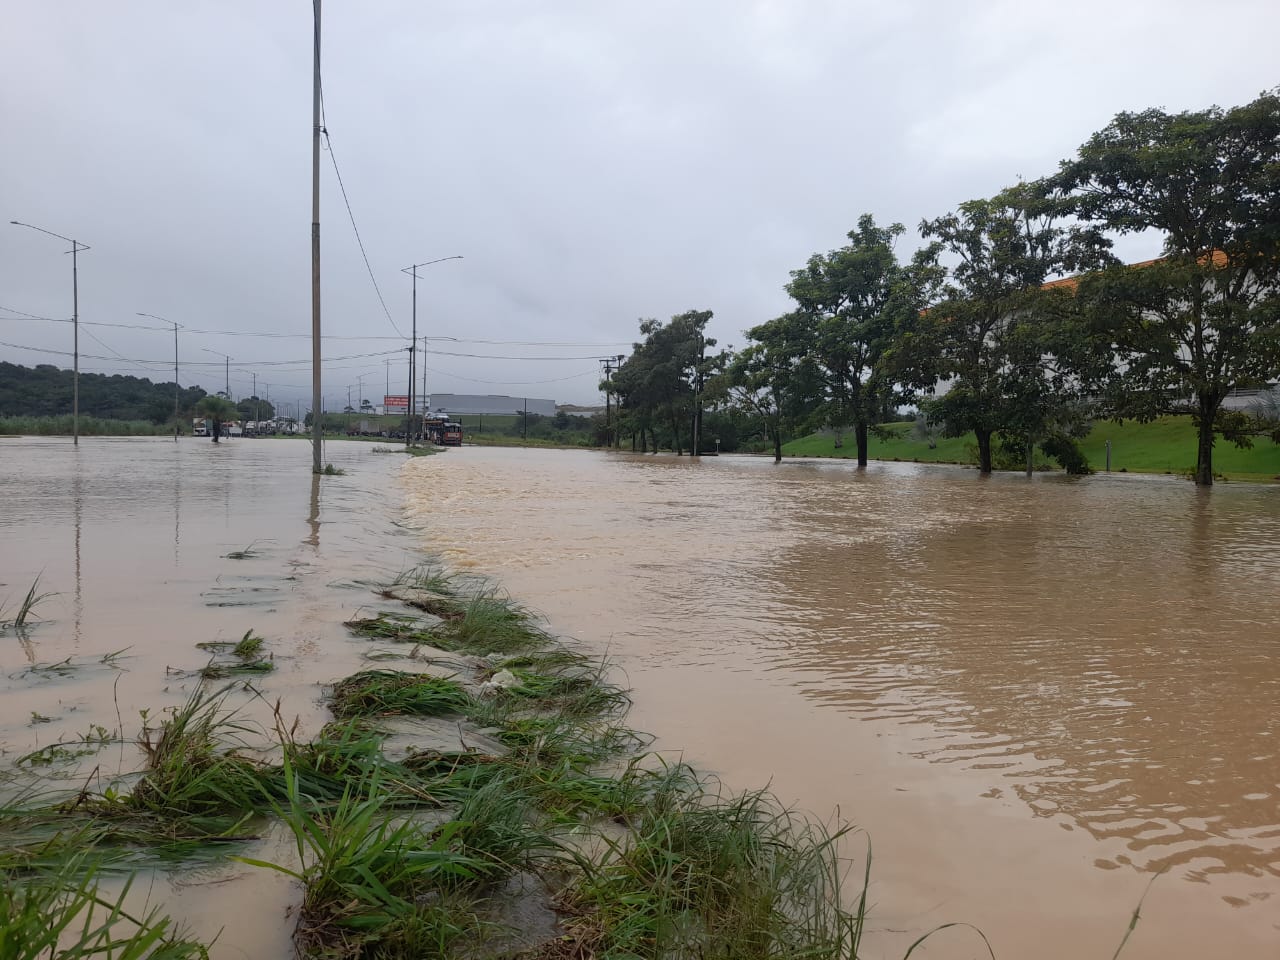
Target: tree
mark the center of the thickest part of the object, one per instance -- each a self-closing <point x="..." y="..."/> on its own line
<point x="849" y="305"/>
<point x="660" y="384"/>
<point x="218" y="409"/>
<point x="252" y="408"/>
<point x="999" y="335"/>
<point x="1204" y="319"/>
<point x="774" y="378"/>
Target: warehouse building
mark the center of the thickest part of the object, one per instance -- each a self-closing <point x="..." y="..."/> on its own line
<point x="467" y="404"/>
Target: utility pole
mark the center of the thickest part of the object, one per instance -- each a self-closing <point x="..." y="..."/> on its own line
<point x="608" y="390"/>
<point x="524" y="421"/>
<point x="617" y="433"/>
<point x="76" y="247"/>
<point x="408" y="411"/>
<point x="257" y="404"/>
<point x="412" y="270"/>
<point x="316" y="399"/>
<point x="425" y="406"/>
<point x="387" y="392"/>
<point x="175" y="368"/>
<point x="697" y="397"/>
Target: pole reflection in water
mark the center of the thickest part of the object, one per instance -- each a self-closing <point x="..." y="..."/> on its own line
<point x="313" y="518"/>
<point x="77" y="508"/>
<point x="177" y="502"/>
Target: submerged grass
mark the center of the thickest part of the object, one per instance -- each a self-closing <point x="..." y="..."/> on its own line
<point x="26" y="607"/>
<point x="373" y="693"/>
<point x="405" y="858"/>
<point x="196" y="767"/>
<point x="60" y="914"/>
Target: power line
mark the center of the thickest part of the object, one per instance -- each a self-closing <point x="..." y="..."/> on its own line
<point x="512" y="383"/>
<point x="324" y="128"/>
<point x="302" y="336"/>
<point x="204" y="363"/>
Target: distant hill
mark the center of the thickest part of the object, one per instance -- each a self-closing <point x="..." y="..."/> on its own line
<point x="45" y="391"/>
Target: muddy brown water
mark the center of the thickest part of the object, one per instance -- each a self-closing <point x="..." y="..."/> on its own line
<point x="1033" y="696"/>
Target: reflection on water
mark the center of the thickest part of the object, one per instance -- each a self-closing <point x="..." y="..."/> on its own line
<point x="1101" y="653"/>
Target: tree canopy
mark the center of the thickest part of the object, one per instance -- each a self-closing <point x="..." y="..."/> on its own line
<point x="45" y="391"/>
<point x="1180" y="333"/>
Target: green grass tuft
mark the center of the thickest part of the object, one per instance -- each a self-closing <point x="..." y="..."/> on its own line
<point x="373" y="693"/>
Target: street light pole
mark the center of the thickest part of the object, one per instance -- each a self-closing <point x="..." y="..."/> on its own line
<point x="413" y="340"/>
<point x="228" y="365"/>
<point x="175" y="369"/>
<point x="76" y="247"/>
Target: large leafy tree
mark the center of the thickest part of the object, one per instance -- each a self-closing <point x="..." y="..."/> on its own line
<point x="1204" y="319"/>
<point x="998" y="339"/>
<point x="659" y="386"/>
<point x="254" y="408"/>
<point x="849" y="304"/>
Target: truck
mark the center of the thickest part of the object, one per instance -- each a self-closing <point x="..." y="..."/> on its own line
<point x="443" y="432"/>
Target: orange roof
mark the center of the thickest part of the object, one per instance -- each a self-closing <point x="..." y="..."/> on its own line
<point x="1218" y="257"/>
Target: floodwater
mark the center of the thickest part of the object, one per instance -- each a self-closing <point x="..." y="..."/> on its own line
<point x="1033" y="696"/>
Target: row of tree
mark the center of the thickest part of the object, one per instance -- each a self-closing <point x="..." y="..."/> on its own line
<point x="980" y="330"/>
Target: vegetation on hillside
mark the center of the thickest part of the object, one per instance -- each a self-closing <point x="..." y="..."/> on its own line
<point x="45" y="391"/>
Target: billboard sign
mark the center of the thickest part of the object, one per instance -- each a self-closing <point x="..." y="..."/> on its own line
<point x="396" y="404"/>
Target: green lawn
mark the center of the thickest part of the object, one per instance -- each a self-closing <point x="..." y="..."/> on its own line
<point x="1167" y="445"/>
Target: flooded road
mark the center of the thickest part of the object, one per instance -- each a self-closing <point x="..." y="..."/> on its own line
<point x="1034" y="696"/>
<point x="133" y="537"/>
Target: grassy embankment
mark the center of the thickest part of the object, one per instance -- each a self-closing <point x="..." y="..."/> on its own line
<point x="89" y="427"/>
<point x="1167" y="445"/>
<point x="533" y="794"/>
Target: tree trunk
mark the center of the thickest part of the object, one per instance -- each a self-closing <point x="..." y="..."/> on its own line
<point x="1031" y="449"/>
<point x="984" y="450"/>
<point x="777" y="446"/>
<point x="1207" y="413"/>
<point x="675" y="435"/>
<point x="860" y="436"/>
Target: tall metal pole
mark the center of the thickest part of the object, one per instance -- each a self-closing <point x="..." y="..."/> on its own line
<point x="425" y="407"/>
<point x="175" y="382"/>
<point x="75" y="324"/>
<point x="413" y="340"/>
<point x="617" y="430"/>
<point x="413" y="355"/>
<point x="76" y="247"/>
<point x="316" y="401"/>
<point x="228" y="378"/>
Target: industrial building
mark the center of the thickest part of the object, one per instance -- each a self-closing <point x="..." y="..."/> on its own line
<point x="466" y="404"/>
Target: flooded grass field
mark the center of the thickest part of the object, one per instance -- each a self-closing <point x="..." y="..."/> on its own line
<point x="1033" y="696"/>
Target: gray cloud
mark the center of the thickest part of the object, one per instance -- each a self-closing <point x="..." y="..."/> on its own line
<point x="594" y="163"/>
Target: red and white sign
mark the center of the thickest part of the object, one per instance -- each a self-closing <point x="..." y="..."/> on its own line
<point x="397" y="404"/>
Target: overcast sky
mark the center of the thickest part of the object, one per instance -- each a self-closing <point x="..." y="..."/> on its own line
<point x="593" y="162"/>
